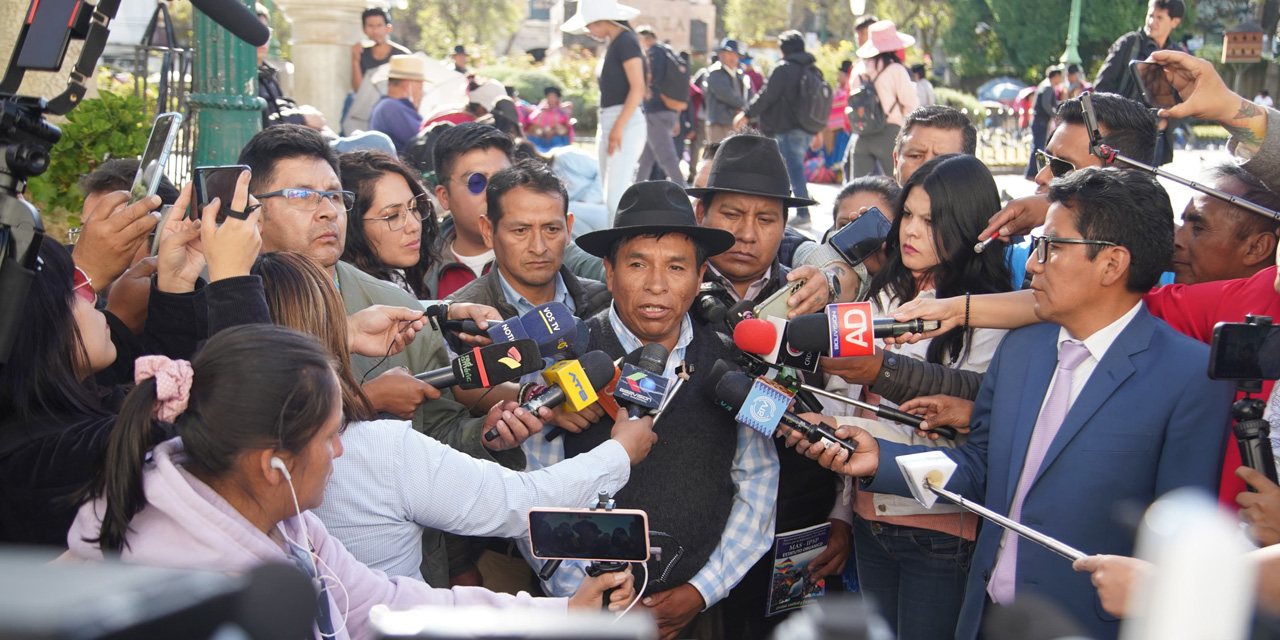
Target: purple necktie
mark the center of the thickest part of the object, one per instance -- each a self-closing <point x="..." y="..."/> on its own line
<point x="1072" y="353"/>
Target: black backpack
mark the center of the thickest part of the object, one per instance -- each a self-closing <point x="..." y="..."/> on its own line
<point x="675" y="80"/>
<point x="866" y="114"/>
<point x="813" y="105"/>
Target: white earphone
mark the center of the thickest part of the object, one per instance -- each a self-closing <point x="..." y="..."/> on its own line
<point x="277" y="463"/>
<point x="318" y="581"/>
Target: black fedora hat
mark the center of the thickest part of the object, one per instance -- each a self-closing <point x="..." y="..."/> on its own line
<point x="657" y="206"/>
<point x="752" y="165"/>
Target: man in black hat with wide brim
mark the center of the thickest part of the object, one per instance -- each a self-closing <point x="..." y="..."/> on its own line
<point x="748" y="194"/>
<point x="709" y="482"/>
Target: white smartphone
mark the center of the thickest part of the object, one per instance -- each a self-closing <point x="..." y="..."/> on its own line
<point x="151" y="166"/>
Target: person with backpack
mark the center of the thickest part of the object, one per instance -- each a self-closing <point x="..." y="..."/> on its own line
<point x="668" y="98"/>
<point x="881" y="94"/>
<point x="792" y="108"/>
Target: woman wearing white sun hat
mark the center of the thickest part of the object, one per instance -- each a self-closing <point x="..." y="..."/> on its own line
<point x="881" y="65"/>
<point x="621" y="134"/>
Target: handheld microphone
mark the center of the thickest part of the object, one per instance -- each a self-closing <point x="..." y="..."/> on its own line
<point x="641" y="386"/>
<point x="236" y="18"/>
<point x="730" y="388"/>
<point x="766" y="339"/>
<point x="817" y="332"/>
<point x="486" y="366"/>
<point x="466" y="326"/>
<point x="755" y="336"/>
<point x="572" y="381"/>
<point x="552" y="326"/>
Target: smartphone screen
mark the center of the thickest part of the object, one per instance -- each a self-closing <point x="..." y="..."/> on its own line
<point x="151" y="166"/>
<point x="1242" y="351"/>
<point x="620" y="535"/>
<point x="776" y="306"/>
<point x="859" y="239"/>
<point x="1155" y="85"/>
<point x="216" y="182"/>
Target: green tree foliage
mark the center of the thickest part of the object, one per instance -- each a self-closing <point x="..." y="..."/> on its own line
<point x="1019" y="38"/>
<point x="754" y="19"/>
<point x="445" y="23"/>
<point x="113" y="125"/>
<point x="926" y="19"/>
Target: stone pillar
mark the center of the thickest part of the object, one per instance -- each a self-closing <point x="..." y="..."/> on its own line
<point x="323" y="32"/>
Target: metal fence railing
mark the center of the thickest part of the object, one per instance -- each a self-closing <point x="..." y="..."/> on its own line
<point x="162" y="78"/>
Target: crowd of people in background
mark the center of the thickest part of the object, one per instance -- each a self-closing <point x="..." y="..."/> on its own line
<point x="180" y="406"/>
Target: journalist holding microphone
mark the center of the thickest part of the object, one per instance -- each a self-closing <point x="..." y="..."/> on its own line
<point x="1100" y="404"/>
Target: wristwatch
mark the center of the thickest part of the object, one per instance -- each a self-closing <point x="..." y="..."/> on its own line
<point x="833" y="286"/>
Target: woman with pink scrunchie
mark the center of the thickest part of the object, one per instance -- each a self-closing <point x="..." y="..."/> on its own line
<point x="55" y="419"/>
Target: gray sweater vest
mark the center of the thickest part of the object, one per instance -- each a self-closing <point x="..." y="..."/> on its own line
<point x="684" y="483"/>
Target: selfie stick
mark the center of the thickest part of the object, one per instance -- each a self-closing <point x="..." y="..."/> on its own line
<point x="1109" y="156"/>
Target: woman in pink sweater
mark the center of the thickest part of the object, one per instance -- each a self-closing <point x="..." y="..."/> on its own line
<point x="257" y="418"/>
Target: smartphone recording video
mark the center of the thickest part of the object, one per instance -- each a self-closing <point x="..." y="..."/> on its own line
<point x="215" y="182"/>
<point x="1245" y="351"/>
<point x="1155" y="86"/>
<point x="620" y="535"/>
<point x="859" y="239"/>
<point x="151" y="167"/>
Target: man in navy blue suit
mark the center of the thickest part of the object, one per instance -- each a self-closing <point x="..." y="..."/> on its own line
<point x="1101" y="405"/>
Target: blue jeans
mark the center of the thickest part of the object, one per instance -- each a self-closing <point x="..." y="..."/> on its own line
<point x="793" y="144"/>
<point x="914" y="577"/>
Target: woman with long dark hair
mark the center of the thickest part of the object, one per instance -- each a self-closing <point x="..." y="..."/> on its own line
<point x="54" y="419"/>
<point x="256" y="441"/>
<point x="392" y="229"/>
<point x="904" y="551"/>
<point x="622" y="132"/>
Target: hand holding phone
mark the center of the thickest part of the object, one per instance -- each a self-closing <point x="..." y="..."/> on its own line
<point x="1155" y="85"/>
<point x="776" y="305"/>
<point x="858" y="240"/>
<point x="216" y="182"/>
<point x="618" y="535"/>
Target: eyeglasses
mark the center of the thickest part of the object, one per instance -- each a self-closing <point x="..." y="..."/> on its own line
<point x="1040" y="245"/>
<point x="309" y="199"/>
<point x="397" y="215"/>
<point x="1057" y="166"/>
<point x="475" y="182"/>
<point x="82" y="286"/>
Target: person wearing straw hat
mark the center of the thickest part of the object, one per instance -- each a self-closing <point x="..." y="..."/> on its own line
<point x="709" y="482"/>
<point x="881" y="66"/>
<point x="396" y="113"/>
<point x="622" y="132"/>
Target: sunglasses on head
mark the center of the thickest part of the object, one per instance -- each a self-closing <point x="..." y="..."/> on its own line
<point x="1057" y="166"/>
<point x="81" y="285"/>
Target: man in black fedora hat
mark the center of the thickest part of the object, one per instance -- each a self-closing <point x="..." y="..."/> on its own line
<point x="709" y="481"/>
<point x="460" y="59"/>
<point x="748" y="194"/>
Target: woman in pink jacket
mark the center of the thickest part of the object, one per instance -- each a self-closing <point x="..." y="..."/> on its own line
<point x="257" y="418"/>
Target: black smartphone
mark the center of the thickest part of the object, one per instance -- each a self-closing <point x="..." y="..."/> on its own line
<point x="859" y="239"/>
<point x="151" y="167"/>
<point x="1155" y="86"/>
<point x="1245" y="351"/>
<point x="215" y="182"/>
<point x="620" y="535"/>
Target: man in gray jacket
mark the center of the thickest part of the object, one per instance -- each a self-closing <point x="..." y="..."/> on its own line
<point x="723" y="96"/>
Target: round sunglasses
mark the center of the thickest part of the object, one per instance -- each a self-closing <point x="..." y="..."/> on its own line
<point x="476" y="183"/>
<point x="82" y="286"/>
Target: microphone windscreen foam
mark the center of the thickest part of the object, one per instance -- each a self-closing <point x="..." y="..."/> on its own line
<point x="718" y="371"/>
<point x="755" y="336"/>
<point x="598" y="367"/>
<point x="653" y="358"/>
<point x="236" y="18"/>
<point x="809" y="332"/>
<point x="733" y="388"/>
<point x="497" y="363"/>
<point x="739" y="312"/>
